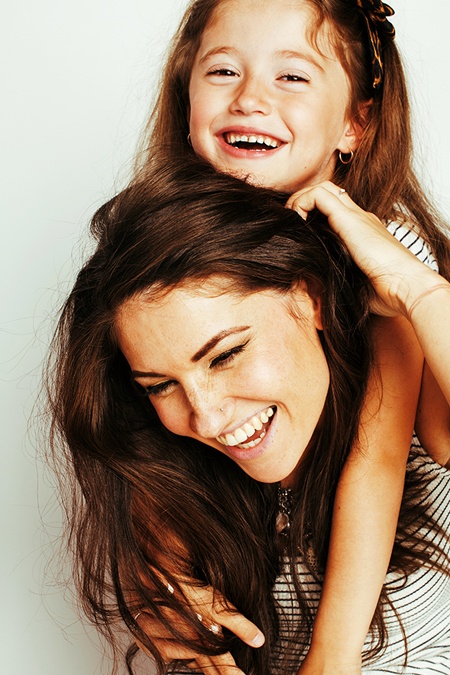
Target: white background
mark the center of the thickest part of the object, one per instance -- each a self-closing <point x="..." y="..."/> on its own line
<point x="76" y="84"/>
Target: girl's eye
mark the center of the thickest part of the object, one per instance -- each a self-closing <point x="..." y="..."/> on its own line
<point x="290" y="77"/>
<point x="226" y="357"/>
<point x="222" y="72"/>
<point x="153" y="389"/>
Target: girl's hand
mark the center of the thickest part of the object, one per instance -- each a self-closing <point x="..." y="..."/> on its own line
<point x="397" y="277"/>
<point x="213" y="612"/>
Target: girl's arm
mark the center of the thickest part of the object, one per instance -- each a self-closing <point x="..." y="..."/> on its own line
<point x="404" y="286"/>
<point x="367" y="505"/>
<point x="370" y="489"/>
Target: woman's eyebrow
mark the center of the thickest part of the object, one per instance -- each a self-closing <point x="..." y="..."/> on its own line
<point x="215" y="340"/>
<point x="201" y="352"/>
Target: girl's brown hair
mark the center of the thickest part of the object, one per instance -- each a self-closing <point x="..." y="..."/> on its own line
<point x="146" y="506"/>
<point x="381" y="178"/>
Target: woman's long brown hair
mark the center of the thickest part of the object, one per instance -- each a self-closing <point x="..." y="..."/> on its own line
<point x="146" y="507"/>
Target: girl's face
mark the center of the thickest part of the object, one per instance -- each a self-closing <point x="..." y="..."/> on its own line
<point x="237" y="372"/>
<point x="264" y="103"/>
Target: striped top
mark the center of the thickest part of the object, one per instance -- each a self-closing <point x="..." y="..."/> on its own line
<point x="414" y="242"/>
<point x="422" y="600"/>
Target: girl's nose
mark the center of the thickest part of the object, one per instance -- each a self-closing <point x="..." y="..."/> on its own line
<point x="251" y="97"/>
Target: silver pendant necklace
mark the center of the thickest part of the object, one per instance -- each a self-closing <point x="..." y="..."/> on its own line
<point x="283" y="522"/>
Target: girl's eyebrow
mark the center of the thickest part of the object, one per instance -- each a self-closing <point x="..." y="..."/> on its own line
<point x="291" y="54"/>
<point x="217" y="50"/>
<point x="203" y="351"/>
<point x="284" y="54"/>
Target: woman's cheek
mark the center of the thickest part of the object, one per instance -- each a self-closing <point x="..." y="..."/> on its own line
<point x="170" y="415"/>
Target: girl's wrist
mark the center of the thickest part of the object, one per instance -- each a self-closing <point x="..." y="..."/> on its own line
<point x="415" y="301"/>
<point x="332" y="661"/>
<point x="338" y="652"/>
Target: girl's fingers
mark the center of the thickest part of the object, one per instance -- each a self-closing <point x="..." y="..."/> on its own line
<point x="326" y="197"/>
<point x="388" y="264"/>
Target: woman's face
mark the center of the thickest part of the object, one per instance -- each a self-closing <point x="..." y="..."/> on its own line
<point x="243" y="373"/>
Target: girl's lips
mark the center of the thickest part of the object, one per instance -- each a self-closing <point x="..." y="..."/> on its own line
<point x="248" y="144"/>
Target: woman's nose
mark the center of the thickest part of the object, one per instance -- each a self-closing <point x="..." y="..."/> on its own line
<point x="207" y="417"/>
<point x="251" y="97"/>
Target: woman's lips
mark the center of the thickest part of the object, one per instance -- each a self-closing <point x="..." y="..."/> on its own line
<point x="250" y="440"/>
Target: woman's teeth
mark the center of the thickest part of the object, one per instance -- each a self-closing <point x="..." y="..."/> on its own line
<point x="240" y="436"/>
<point x="236" y="139"/>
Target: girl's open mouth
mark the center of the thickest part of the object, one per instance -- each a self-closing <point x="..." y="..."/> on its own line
<point x="251" y="141"/>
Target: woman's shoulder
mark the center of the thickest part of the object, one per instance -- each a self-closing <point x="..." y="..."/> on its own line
<point x="407" y="234"/>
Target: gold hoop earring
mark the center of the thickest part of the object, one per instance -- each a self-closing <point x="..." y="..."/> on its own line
<point x="346" y="157"/>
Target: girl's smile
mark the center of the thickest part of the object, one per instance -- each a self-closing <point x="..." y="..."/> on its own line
<point x="264" y="103"/>
<point x="245" y="374"/>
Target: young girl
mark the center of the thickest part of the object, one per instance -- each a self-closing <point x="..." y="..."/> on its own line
<point x="204" y="311"/>
<point x="288" y="95"/>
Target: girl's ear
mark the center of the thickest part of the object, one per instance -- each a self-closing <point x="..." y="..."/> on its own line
<point x="354" y="130"/>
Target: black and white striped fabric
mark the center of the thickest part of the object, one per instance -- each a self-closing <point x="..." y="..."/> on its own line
<point x="414" y="242"/>
<point x="421" y="600"/>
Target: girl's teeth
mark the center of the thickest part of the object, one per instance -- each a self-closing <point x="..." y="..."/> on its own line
<point x="252" y="138"/>
<point x="264" y="418"/>
<point x="249" y="430"/>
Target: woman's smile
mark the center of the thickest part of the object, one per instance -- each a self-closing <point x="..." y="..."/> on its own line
<point x="257" y="444"/>
<point x="251" y="433"/>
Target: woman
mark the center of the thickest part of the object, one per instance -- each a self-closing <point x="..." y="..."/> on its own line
<point x="212" y="362"/>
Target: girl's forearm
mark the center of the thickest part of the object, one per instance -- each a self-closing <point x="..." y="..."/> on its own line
<point x="368" y="498"/>
<point x="428" y="310"/>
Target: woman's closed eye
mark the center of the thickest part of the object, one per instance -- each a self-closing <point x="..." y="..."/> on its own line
<point x="154" y="389"/>
<point x="225" y="358"/>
